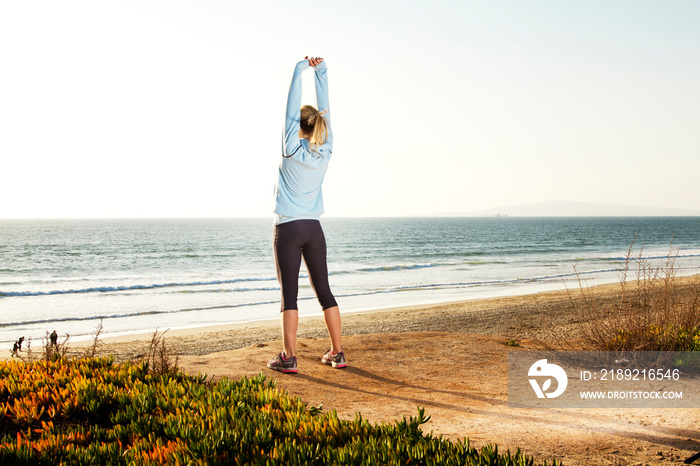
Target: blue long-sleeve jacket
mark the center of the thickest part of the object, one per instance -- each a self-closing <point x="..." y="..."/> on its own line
<point x="298" y="194"/>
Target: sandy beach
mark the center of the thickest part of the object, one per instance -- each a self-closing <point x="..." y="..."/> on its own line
<point x="450" y="359"/>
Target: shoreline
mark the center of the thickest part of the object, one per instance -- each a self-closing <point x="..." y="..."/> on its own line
<point x="385" y="302"/>
<point x="418" y="304"/>
<point x="518" y="316"/>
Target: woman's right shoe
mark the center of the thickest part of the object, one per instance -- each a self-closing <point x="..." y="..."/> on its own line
<point x="279" y="363"/>
<point x="335" y="360"/>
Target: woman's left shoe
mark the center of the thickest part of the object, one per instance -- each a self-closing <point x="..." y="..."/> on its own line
<point x="335" y="360"/>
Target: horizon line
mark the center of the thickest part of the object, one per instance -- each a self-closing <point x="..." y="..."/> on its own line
<point x="436" y="215"/>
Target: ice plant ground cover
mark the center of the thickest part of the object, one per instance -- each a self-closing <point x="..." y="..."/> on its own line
<point x="95" y="411"/>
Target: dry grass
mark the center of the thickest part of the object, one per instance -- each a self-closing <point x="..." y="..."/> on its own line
<point x="93" y="349"/>
<point x="161" y="359"/>
<point x="653" y="312"/>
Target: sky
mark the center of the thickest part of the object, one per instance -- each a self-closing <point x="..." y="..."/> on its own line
<point x="175" y="108"/>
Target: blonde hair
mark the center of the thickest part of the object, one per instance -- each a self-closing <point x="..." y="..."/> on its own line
<point x="314" y="125"/>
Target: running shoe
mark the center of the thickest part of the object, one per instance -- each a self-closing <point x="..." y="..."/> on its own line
<point x="335" y="360"/>
<point x="279" y="363"/>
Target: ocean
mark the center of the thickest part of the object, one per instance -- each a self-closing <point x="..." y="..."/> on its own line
<point x="141" y="275"/>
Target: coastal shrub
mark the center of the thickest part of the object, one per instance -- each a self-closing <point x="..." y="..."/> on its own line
<point x="655" y="311"/>
<point x="95" y="411"/>
<point x="668" y="338"/>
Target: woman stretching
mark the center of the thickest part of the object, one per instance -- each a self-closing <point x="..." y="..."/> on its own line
<point x="306" y="151"/>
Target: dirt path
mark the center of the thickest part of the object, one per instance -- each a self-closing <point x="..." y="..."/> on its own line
<point x="461" y="381"/>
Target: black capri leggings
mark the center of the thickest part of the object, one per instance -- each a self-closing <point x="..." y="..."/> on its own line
<point x="292" y="241"/>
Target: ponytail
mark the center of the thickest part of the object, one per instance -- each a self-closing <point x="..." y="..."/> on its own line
<point x="314" y="124"/>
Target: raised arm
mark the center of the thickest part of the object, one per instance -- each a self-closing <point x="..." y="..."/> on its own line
<point x="291" y="142"/>
<point x="322" y="90"/>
